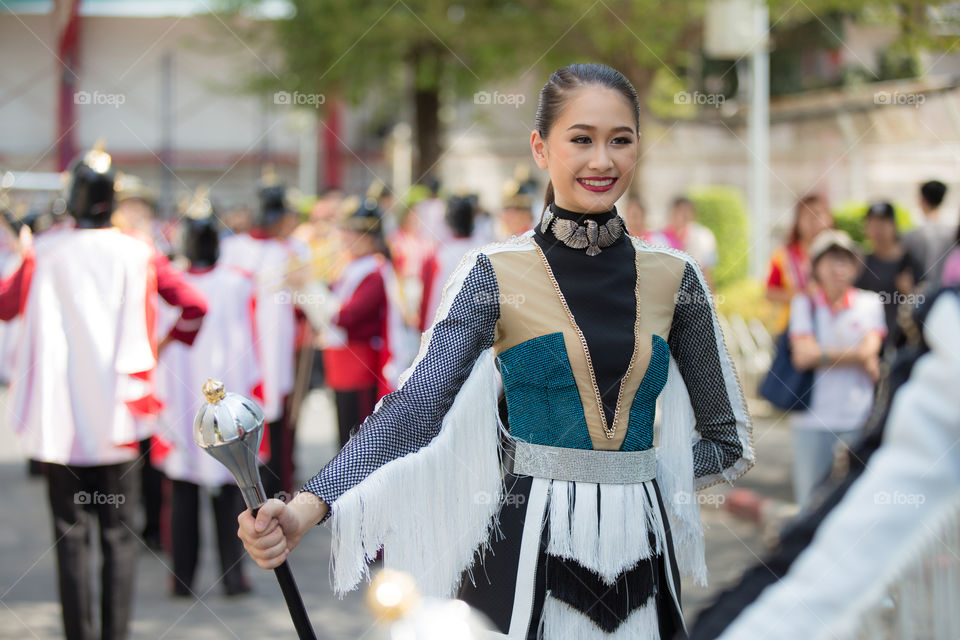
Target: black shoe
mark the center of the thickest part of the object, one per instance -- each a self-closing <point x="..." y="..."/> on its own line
<point x="180" y="590"/>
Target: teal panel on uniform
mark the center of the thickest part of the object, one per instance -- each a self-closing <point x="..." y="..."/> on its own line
<point x="543" y="403"/>
<point x="644" y="409"/>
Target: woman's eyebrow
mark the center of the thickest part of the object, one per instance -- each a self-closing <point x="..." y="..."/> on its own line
<point x="592" y="128"/>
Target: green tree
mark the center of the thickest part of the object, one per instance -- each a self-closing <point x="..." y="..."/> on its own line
<point x="408" y="56"/>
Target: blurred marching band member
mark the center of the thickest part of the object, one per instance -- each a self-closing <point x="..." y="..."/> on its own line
<point x="223" y="349"/>
<point x="83" y="374"/>
<point x="270" y="256"/>
<point x="363" y="323"/>
<point x="443" y="261"/>
<point x="516" y="213"/>
<point x="135" y="215"/>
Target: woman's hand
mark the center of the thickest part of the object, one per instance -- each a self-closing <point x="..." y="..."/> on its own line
<point x="278" y="527"/>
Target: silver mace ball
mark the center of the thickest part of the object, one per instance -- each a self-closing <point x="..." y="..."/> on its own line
<point x="229" y="427"/>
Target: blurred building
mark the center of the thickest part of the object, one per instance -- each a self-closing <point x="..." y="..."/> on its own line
<point x="162" y="82"/>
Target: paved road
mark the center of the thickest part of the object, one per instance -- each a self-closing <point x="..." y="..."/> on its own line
<point x="30" y="608"/>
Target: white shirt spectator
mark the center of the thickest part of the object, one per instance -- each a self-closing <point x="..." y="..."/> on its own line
<point x="842" y="394"/>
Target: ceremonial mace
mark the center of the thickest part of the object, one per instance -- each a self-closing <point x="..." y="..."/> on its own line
<point x="229" y="427"/>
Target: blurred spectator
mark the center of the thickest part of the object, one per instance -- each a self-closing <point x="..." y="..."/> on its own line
<point x="889" y="269"/>
<point x="951" y="268"/>
<point x="931" y="243"/>
<point x="683" y="232"/>
<point x="837" y="330"/>
<point x="790" y="263"/>
<point x="635" y="217"/>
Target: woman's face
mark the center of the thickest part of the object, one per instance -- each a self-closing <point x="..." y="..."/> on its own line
<point x="814" y="218"/>
<point x="591" y="150"/>
<point x="836" y="271"/>
<point x="881" y="232"/>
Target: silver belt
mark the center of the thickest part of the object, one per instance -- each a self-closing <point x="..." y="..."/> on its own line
<point x="581" y="465"/>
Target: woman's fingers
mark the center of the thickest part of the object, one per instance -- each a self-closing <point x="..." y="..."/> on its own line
<point x="274" y="551"/>
<point x="273" y="563"/>
<point x="271" y="540"/>
<point x="271" y="527"/>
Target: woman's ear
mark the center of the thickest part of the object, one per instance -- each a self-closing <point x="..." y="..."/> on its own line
<point x="539" y="148"/>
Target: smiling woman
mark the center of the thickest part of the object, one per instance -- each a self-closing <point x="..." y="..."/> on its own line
<point x="578" y="517"/>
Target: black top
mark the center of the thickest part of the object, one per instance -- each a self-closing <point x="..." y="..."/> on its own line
<point x="600" y="291"/>
<point x="881" y="276"/>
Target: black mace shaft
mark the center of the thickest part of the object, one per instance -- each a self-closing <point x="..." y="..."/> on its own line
<point x="291" y="594"/>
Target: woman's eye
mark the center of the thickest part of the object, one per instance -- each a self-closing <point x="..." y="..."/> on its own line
<point x="581" y="140"/>
<point x="623" y="140"/>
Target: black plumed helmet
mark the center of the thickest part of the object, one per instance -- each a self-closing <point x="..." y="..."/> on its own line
<point x="90" y="189"/>
<point x="273" y="204"/>
<point x="200" y="232"/>
<point x="461" y="211"/>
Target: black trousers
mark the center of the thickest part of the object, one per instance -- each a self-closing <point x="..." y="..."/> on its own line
<point x="110" y="494"/>
<point x="352" y="408"/>
<point x="151" y="482"/>
<point x="185" y="532"/>
<point x="277" y="473"/>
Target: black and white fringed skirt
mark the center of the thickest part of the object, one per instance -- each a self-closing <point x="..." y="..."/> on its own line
<point x="579" y="560"/>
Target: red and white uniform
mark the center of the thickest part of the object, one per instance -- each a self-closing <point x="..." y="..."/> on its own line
<point x="223" y="349"/>
<point x="357" y="343"/>
<point x="269" y="260"/>
<point x="84" y="363"/>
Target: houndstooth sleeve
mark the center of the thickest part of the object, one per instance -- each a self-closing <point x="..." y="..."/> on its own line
<point x="718" y="405"/>
<point x="410" y="417"/>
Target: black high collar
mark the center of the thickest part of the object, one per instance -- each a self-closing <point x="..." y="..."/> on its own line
<point x="581" y="218"/>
